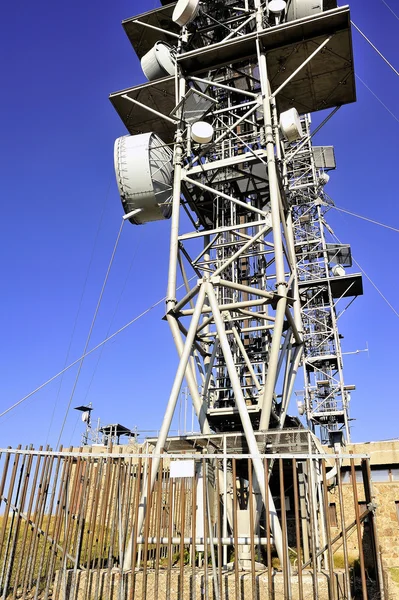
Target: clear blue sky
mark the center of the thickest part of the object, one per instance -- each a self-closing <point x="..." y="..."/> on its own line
<point x="60" y="207"/>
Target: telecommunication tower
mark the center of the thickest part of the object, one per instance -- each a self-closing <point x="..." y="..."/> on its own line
<point x="323" y="284"/>
<point x="216" y="132"/>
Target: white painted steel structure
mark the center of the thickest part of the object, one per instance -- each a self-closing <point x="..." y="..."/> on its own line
<point x="238" y="329"/>
<point x="324" y="287"/>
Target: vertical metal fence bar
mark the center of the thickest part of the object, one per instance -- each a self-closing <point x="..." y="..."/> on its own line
<point x="344" y="538"/>
<point x="105" y="512"/>
<point x="16" y="520"/>
<point x="4" y="475"/>
<point x="91" y="526"/>
<point x="193" y="537"/>
<point x="70" y="497"/>
<point x="70" y="508"/>
<point x="49" y="569"/>
<point x="370" y="501"/>
<point x="303" y="511"/>
<point x="81" y="520"/>
<point x="182" y="530"/>
<point x="111" y="502"/>
<point x="286" y="559"/>
<point x="126" y="494"/>
<point x="137" y="493"/>
<point x="219" y="530"/>
<point x="251" y="528"/>
<point x="298" y="529"/>
<point x="22" y="555"/>
<point x="158" y="527"/>
<point x="45" y="486"/>
<point x="38" y="522"/>
<point x="235" y="531"/>
<point x="358" y="530"/>
<point x="206" y="532"/>
<point x="60" y="523"/>
<point x="46" y="531"/>
<point x="146" y="530"/>
<point x="311" y="499"/>
<point x="268" y="532"/>
<point x="170" y="534"/>
<point x="8" y="501"/>
<point x="330" y="557"/>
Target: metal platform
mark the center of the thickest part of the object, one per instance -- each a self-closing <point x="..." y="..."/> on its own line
<point x="159" y="96"/>
<point x="346" y="286"/>
<point x="323" y="417"/>
<point x="143" y="38"/>
<point x="293" y="441"/>
<point x="327" y="80"/>
<point x="318" y="361"/>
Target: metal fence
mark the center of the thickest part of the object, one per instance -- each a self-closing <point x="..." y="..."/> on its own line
<point x="66" y="523"/>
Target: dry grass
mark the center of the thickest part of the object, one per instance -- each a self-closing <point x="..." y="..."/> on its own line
<point x="31" y="555"/>
<point x="394" y="572"/>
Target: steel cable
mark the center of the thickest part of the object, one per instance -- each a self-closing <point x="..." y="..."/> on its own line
<point x="376" y="49"/>
<point x="90" y="331"/>
<point x="389" y="8"/>
<point x="75" y="362"/>
<point x="348" y="212"/>
<point x="372" y="282"/>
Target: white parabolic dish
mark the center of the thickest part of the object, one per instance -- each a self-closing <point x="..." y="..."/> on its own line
<point x="143" y="168"/>
<point x="158" y="62"/>
<point x="297" y="9"/>
<point x="290" y="125"/>
<point x="185" y="11"/>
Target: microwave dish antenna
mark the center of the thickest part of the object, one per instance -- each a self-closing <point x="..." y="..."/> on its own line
<point x="159" y="61"/>
<point x="298" y="9"/>
<point x="143" y="167"/>
<point x="290" y="125"/>
<point x="185" y="11"/>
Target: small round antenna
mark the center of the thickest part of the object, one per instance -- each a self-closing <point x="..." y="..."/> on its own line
<point x="277" y="7"/>
<point x="202" y="132"/>
<point x="324" y="178"/>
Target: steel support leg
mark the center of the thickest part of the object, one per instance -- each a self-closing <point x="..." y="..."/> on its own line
<point x="245" y="419"/>
<point x="167" y="420"/>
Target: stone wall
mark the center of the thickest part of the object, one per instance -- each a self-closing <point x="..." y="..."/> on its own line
<point x="384" y="455"/>
<point x="94" y="585"/>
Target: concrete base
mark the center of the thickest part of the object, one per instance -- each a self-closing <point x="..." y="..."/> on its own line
<point x="115" y="586"/>
<point x="246" y="565"/>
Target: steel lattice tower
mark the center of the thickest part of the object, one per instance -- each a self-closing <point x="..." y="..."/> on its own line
<point x="212" y="133"/>
<point x="322" y="282"/>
